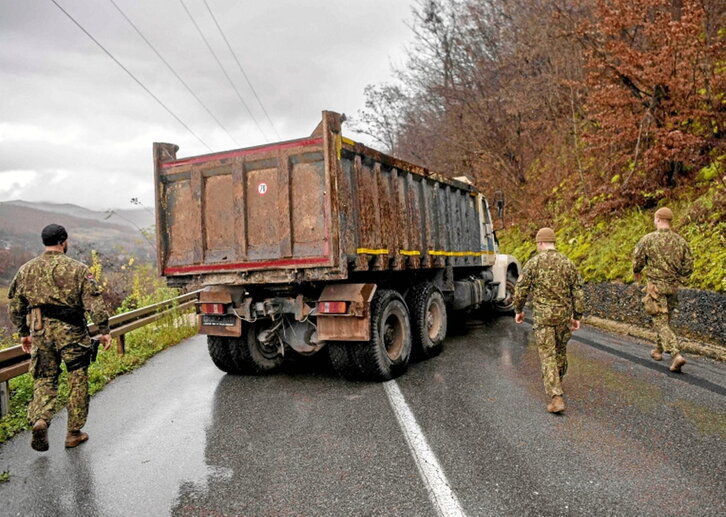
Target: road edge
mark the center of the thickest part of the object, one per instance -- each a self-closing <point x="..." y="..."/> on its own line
<point x="688" y="345"/>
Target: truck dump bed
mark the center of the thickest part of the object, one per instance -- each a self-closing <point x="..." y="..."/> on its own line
<point x="312" y="209"/>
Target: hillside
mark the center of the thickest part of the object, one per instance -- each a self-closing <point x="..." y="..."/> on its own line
<point x="573" y="110"/>
<point x="602" y="247"/>
<point x="135" y="218"/>
<point x="21" y="223"/>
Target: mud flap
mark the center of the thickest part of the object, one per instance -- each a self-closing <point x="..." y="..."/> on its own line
<point x="355" y="325"/>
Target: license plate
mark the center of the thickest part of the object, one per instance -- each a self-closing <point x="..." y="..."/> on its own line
<point x="227" y="320"/>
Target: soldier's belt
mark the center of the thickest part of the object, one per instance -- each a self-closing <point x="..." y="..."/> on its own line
<point x="63" y="313"/>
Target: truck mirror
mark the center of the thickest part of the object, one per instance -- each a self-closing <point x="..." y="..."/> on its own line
<point x="500" y="204"/>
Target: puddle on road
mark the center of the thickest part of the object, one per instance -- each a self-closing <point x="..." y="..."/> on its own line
<point x="601" y="378"/>
<point x="705" y="419"/>
<point x="592" y="381"/>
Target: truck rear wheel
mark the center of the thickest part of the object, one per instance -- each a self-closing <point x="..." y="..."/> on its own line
<point x="253" y="357"/>
<point x="219" y="351"/>
<point x="386" y="355"/>
<point x="428" y="319"/>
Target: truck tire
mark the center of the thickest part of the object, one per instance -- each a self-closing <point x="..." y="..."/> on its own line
<point x="428" y="319"/>
<point x="506" y="306"/>
<point x="386" y="355"/>
<point x="344" y="359"/>
<point x="218" y="347"/>
<point x="252" y="357"/>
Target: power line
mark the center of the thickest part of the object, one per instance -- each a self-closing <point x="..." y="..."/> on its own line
<point x="199" y="30"/>
<point x="241" y="69"/>
<point x="130" y="74"/>
<point x="171" y="69"/>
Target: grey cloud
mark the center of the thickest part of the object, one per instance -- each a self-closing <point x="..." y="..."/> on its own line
<point x="302" y="57"/>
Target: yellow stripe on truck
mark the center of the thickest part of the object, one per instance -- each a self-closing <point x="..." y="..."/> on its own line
<point x="370" y="251"/>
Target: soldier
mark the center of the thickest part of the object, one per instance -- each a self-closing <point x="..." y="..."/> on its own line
<point x="668" y="260"/>
<point x="556" y="289"/>
<point x="48" y="300"/>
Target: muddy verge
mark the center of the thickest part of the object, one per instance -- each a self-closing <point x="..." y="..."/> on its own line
<point x="701" y="315"/>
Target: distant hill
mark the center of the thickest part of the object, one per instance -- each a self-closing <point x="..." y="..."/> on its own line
<point x="117" y="237"/>
<point x="135" y="218"/>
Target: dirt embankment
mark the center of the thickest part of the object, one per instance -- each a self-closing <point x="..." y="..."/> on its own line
<point x="701" y="315"/>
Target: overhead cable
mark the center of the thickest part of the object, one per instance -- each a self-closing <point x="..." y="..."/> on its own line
<point x="171" y="69"/>
<point x="239" y="95"/>
<point x="241" y="68"/>
<point x="131" y="75"/>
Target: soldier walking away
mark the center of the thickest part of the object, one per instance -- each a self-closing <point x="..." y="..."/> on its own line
<point x="668" y="262"/>
<point x="556" y="289"/>
<point x="49" y="297"/>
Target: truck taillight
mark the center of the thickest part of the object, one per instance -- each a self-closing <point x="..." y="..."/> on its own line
<point x="332" y="307"/>
<point x="212" y="308"/>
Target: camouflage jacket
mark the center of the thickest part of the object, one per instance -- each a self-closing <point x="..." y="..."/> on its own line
<point x="56" y="279"/>
<point x="556" y="288"/>
<point x="666" y="257"/>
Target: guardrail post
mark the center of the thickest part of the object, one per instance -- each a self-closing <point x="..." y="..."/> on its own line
<point x="121" y="344"/>
<point x="4" y="399"/>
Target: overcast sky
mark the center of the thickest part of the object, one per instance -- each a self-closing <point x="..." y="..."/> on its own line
<point x="75" y="128"/>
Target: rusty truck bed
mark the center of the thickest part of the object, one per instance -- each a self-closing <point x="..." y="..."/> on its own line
<point x="311" y="209"/>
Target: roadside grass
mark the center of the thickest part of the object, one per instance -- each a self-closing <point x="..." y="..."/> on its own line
<point x="603" y="249"/>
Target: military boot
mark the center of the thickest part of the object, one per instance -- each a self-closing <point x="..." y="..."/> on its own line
<point x="75" y="438"/>
<point x="678" y="361"/>
<point x="40" y="436"/>
<point x="656" y="354"/>
<point x="557" y="405"/>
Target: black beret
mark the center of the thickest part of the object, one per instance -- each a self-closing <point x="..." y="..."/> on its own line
<point x="53" y="234"/>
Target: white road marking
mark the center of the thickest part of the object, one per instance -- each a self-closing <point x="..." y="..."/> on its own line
<point x="440" y="493"/>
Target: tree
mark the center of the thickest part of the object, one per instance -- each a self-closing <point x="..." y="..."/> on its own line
<point x="595" y="101"/>
<point x="656" y="80"/>
<point x="487" y="91"/>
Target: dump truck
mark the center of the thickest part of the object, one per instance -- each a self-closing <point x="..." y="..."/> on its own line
<point x="322" y="243"/>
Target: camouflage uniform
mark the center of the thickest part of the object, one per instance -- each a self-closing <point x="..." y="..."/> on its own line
<point x="668" y="262"/>
<point x="63" y="289"/>
<point x="556" y="289"/>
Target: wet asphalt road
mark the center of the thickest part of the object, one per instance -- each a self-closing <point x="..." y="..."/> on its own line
<point x="178" y="437"/>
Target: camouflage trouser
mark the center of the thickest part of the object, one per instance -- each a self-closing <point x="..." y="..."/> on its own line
<point x="551" y="343"/>
<point x="660" y="306"/>
<point x="45" y="363"/>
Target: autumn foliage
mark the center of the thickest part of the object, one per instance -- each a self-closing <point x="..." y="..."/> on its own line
<point x="655" y="89"/>
<point x="594" y="104"/>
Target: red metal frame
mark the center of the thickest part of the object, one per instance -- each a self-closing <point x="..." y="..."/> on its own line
<point x="208" y="268"/>
<point x="243" y="152"/>
<point x="251" y="265"/>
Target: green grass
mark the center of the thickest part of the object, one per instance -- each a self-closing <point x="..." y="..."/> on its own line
<point x="141" y="344"/>
<point x="602" y="250"/>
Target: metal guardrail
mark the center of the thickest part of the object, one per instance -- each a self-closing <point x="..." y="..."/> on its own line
<point x="14" y="362"/>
